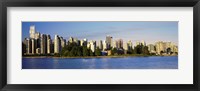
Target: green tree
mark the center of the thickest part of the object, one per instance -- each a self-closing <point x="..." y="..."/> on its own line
<point x="145" y="50"/>
<point x="85" y="51"/>
<point x="91" y="53"/>
<point x="56" y="54"/>
<point x="98" y="52"/>
<point x="114" y="51"/>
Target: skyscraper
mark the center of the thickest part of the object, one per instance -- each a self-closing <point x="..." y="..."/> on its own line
<point x="109" y="41"/>
<point x="37" y="35"/>
<point x="48" y="44"/>
<point x="57" y="44"/>
<point x="160" y="47"/>
<point x="63" y="42"/>
<point x="115" y="44"/>
<point x="93" y="45"/>
<point x="120" y="43"/>
<point x="33" y="46"/>
<point x="105" y="45"/>
<point x="151" y="48"/>
<point x="100" y="44"/>
<point x="137" y="43"/>
<point x="29" y="46"/>
<point x="32" y="32"/>
<point x="85" y="41"/>
<point x="71" y="39"/>
<point x="88" y="45"/>
<point x="43" y="43"/>
<point x="143" y="43"/>
<point x="129" y="45"/>
<point x="125" y="46"/>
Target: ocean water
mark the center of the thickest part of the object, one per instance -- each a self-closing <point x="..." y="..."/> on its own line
<point x="153" y="62"/>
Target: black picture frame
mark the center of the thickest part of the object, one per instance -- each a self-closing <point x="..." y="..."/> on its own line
<point x="99" y="3"/>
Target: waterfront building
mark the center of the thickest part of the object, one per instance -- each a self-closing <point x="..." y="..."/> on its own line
<point x="29" y="46"/>
<point x="143" y="43"/>
<point x="48" y="44"/>
<point x="43" y="43"/>
<point x="165" y="47"/>
<point x="125" y="46"/>
<point x="37" y="35"/>
<point x="85" y="41"/>
<point x="38" y="51"/>
<point x="71" y="39"/>
<point x="115" y="44"/>
<point x="151" y="48"/>
<point x="33" y="46"/>
<point x="120" y="44"/>
<point x="160" y="47"/>
<point x="104" y="45"/>
<point x="129" y="44"/>
<point x="81" y="42"/>
<point x="63" y="42"/>
<point x="76" y="41"/>
<point x="57" y="44"/>
<point x="88" y="45"/>
<point x="109" y="41"/>
<point x="93" y="45"/>
<point x="175" y="49"/>
<point x="100" y="44"/>
<point x="32" y="32"/>
<point x="137" y="43"/>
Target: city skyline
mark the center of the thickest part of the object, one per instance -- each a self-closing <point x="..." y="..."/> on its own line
<point x="150" y="32"/>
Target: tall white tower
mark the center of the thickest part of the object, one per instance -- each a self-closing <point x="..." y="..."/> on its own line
<point x="32" y="31"/>
<point x="56" y="44"/>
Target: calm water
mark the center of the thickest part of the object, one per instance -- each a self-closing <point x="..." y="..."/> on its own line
<point x="101" y="63"/>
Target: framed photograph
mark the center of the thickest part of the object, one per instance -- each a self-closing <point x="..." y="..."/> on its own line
<point x="92" y="44"/>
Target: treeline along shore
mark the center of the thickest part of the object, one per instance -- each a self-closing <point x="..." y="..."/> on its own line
<point x="75" y="51"/>
<point x="121" y="56"/>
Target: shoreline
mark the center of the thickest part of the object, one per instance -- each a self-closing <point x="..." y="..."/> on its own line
<point x="122" y="56"/>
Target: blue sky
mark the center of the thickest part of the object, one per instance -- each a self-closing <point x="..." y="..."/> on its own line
<point x="148" y="31"/>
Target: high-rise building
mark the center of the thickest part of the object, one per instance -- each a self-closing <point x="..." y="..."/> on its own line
<point x="77" y="41"/>
<point x="160" y="47"/>
<point x="166" y="47"/>
<point x="81" y="42"/>
<point x="109" y="41"/>
<point x="125" y="46"/>
<point x="115" y="44"/>
<point x="93" y="45"/>
<point x="33" y="46"/>
<point x="85" y="41"/>
<point x="57" y="44"/>
<point x="100" y="44"/>
<point x="37" y="35"/>
<point x="151" y="48"/>
<point x="137" y="43"/>
<point x="32" y="32"/>
<point x="120" y="43"/>
<point x="38" y="51"/>
<point x="71" y="39"/>
<point x="130" y="45"/>
<point x="29" y="46"/>
<point x="105" y="45"/>
<point x="88" y="45"/>
<point x="143" y="43"/>
<point x="63" y="42"/>
<point x="43" y="43"/>
<point x="48" y="44"/>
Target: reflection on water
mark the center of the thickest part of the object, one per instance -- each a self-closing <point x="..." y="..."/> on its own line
<point x="156" y="62"/>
